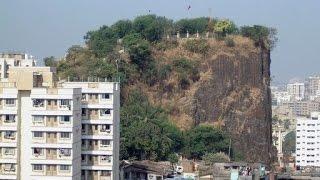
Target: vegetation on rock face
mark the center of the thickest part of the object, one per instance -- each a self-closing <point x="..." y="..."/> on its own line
<point x="224" y="27"/>
<point x="262" y="36"/>
<point x="147" y="132"/>
<point x="204" y="139"/>
<point x="200" y="46"/>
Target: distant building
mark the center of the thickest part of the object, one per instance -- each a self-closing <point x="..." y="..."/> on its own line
<point x="8" y="60"/>
<point x="296" y="91"/>
<point x="279" y="97"/>
<point x="308" y="141"/>
<point x="302" y="108"/>
<point x="56" y="130"/>
<point x="312" y="86"/>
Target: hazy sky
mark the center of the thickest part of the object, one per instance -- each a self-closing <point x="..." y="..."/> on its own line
<point x="49" y="27"/>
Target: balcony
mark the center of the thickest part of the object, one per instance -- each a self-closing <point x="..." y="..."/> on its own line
<point x="52" y="105"/>
<point x="99" y="131"/>
<point x="51" y="173"/>
<point x="51" y="170"/>
<point x="101" y="145"/>
<point x="97" y="161"/>
<point x="51" y="154"/>
<point x="51" y="122"/>
<point x="51" y="138"/>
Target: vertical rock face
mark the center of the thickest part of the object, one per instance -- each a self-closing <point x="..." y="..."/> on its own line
<point x="237" y="99"/>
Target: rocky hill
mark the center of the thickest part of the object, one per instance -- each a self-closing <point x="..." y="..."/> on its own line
<point x="219" y="79"/>
<point x="232" y="93"/>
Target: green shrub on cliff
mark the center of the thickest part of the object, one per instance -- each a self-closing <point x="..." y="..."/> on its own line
<point x="224" y="27"/>
<point x="200" y="46"/>
<point x="204" y="139"/>
<point x="262" y="36"/>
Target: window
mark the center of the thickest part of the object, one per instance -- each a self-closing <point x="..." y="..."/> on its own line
<point x="105" y="128"/>
<point x="93" y="96"/>
<point x="83" y="97"/>
<point x="38" y="134"/>
<point x="83" y="128"/>
<point x="37" y="167"/>
<point x="9" y="151"/>
<point x="105" y="112"/>
<point x="37" y="151"/>
<point x="9" y="167"/>
<point x="9" y="135"/>
<point x="38" y="119"/>
<point x="105" y="96"/>
<point x="65" y="135"/>
<point x="65" y="119"/>
<point x="65" y="152"/>
<point x="106" y="158"/>
<point x="38" y="103"/>
<point x="105" y="143"/>
<point x="105" y="173"/>
<point x="52" y="102"/>
<point x="64" y="167"/>
<point x="84" y="112"/>
<point x="10" y="118"/>
<point x="10" y="102"/>
<point x="65" y="102"/>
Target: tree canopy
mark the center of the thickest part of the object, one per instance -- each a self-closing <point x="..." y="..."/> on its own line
<point x="204" y="139"/>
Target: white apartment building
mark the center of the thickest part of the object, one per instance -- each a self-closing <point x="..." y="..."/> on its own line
<point x="308" y="141"/>
<point x="296" y="91"/>
<point x="100" y="128"/>
<point x="51" y="130"/>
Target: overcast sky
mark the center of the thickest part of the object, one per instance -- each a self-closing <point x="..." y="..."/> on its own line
<point x="48" y="27"/>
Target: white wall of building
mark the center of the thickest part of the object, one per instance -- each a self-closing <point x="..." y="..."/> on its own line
<point x="308" y="141"/>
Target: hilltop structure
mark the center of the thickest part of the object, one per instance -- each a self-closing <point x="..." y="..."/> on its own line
<point x="56" y="130"/>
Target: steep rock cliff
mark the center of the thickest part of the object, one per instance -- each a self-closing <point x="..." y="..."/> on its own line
<point x="237" y="99"/>
<point x="232" y="93"/>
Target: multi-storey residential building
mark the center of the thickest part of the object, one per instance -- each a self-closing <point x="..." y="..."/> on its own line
<point x="312" y="86"/>
<point x="51" y="130"/>
<point x="100" y="128"/>
<point x="302" y="108"/>
<point x="307" y="141"/>
<point x="296" y="91"/>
